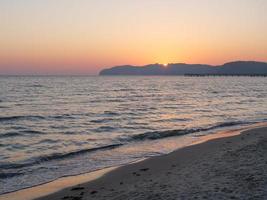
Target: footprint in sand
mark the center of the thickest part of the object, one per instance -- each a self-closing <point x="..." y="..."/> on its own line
<point x="93" y="192"/>
<point x="136" y="174"/>
<point x="144" y="169"/>
<point x="72" y="198"/>
<point x="77" y="188"/>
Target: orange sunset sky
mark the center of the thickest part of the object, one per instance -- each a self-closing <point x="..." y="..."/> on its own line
<point x="85" y="36"/>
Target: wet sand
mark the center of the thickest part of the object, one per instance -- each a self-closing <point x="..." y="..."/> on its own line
<point x="227" y="166"/>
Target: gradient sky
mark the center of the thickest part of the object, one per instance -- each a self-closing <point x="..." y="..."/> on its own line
<point x="85" y="36"/>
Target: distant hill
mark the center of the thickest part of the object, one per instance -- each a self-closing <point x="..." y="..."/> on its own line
<point x="231" y="68"/>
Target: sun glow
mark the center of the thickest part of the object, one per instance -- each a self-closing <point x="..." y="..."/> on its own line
<point x="73" y="37"/>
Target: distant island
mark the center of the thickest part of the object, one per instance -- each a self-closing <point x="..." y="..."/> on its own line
<point x="238" y="68"/>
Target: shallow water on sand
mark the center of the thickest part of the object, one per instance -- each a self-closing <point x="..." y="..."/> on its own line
<point x="56" y="126"/>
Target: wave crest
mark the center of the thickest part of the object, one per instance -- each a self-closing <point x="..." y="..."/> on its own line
<point x="155" y="135"/>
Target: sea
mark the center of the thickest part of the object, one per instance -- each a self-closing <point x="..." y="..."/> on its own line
<point x="57" y="126"/>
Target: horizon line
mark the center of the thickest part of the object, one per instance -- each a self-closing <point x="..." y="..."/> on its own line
<point x="83" y="73"/>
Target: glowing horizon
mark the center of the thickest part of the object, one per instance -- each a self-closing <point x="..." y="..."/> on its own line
<point x="82" y="36"/>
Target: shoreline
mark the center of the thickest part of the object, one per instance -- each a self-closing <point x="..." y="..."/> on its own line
<point x="59" y="187"/>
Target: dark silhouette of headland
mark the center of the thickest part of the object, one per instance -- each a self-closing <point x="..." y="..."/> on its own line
<point x="238" y="68"/>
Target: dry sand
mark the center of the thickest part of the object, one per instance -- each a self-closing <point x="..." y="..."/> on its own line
<point x="226" y="168"/>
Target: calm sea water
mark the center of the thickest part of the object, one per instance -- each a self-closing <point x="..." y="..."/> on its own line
<point x="57" y="126"/>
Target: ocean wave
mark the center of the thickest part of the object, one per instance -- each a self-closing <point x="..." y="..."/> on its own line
<point x="103" y="120"/>
<point x="104" y="129"/>
<point x="20" y="133"/>
<point x="123" y="89"/>
<point x="227" y="124"/>
<point x="114" y="100"/>
<point x="110" y="113"/>
<point x="173" y="120"/>
<point x="52" y="117"/>
<point x="74" y="153"/>
<point x="23" y="117"/>
<point x="57" y="156"/>
<point x="8" y="175"/>
<point x="37" y="86"/>
<point x="155" y="135"/>
<point x="9" y="134"/>
<point x="50" y="141"/>
<point x="36" y="117"/>
<point x="33" y="132"/>
<point x="135" y="138"/>
<point x="63" y="116"/>
<point x="3" y="145"/>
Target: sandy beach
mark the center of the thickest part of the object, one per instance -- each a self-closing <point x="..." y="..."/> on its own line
<point x="225" y="168"/>
<point x="226" y="165"/>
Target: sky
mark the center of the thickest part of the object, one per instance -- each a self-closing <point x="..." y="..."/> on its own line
<point x="85" y="36"/>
